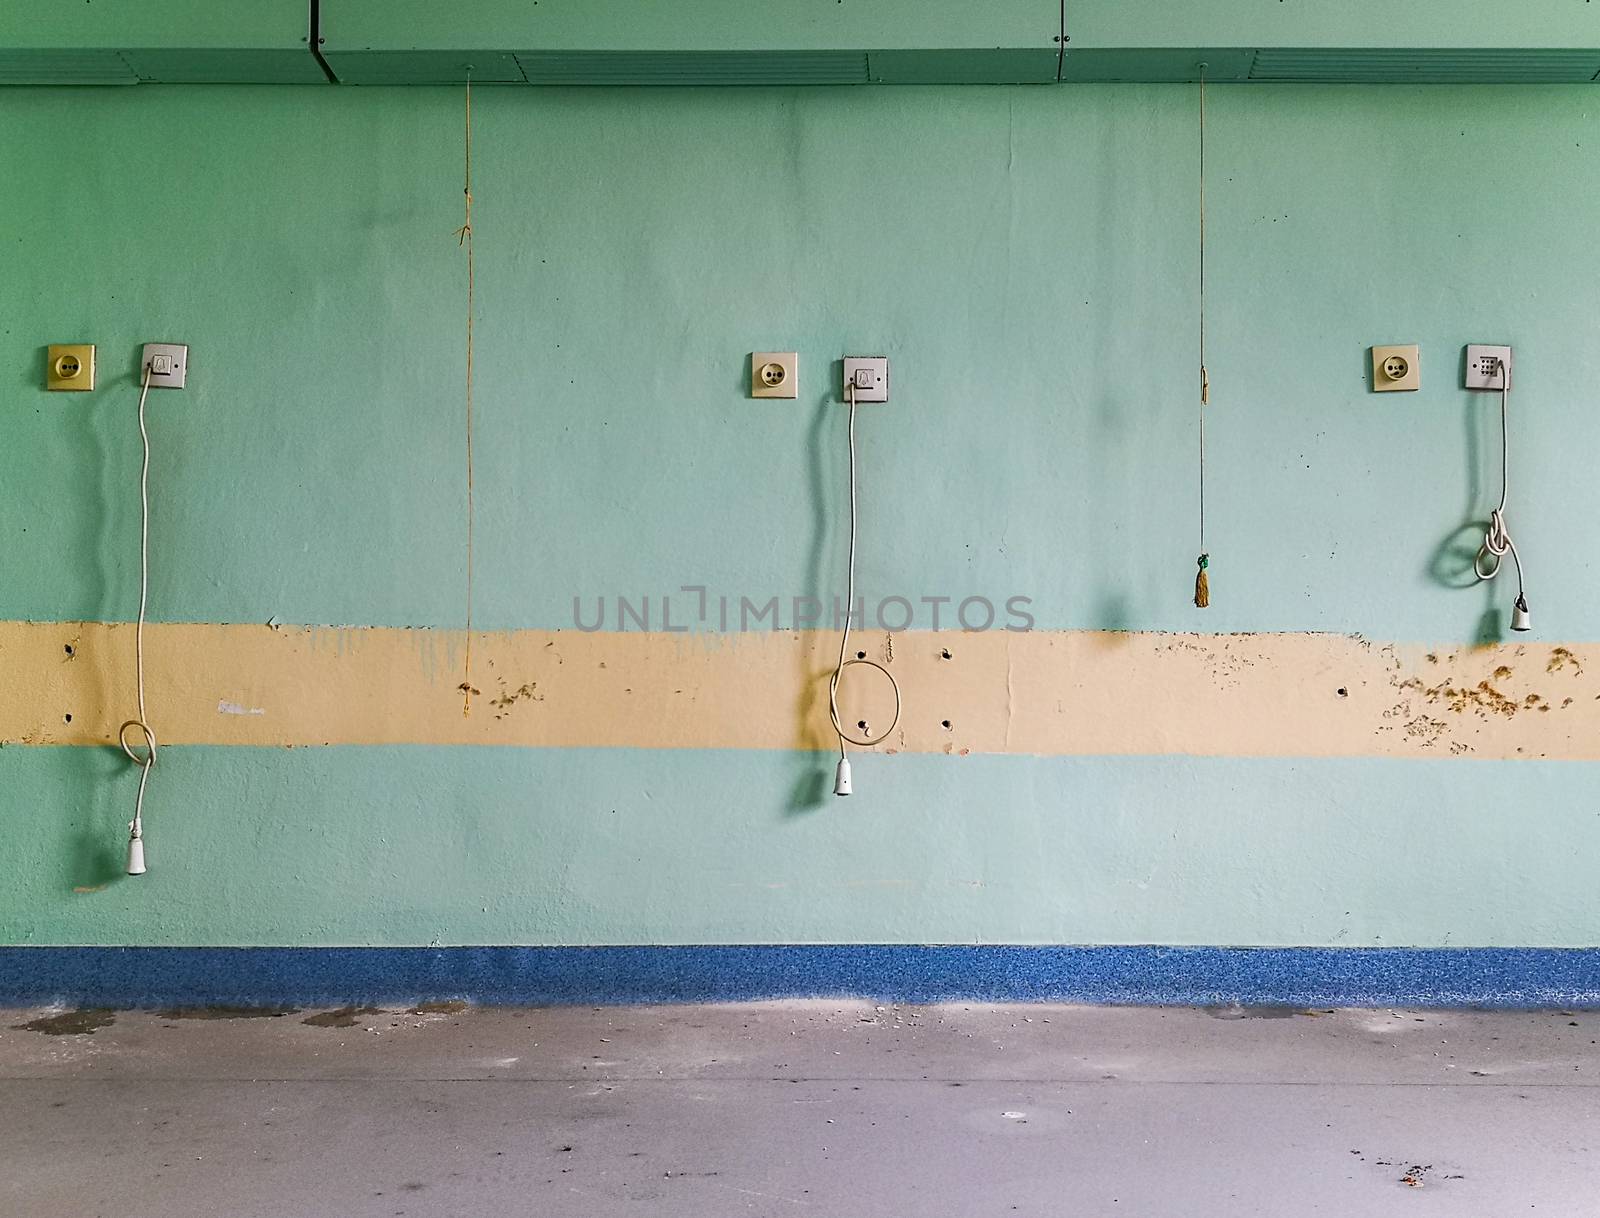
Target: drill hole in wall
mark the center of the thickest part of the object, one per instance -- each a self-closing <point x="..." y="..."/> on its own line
<point x="67" y="718"/>
<point x="945" y="723"/>
<point x="861" y="655"/>
<point x="945" y="654"/>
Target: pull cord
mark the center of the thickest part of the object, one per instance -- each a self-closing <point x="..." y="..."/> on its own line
<point x="148" y="758"/>
<point x="1497" y="541"/>
<point x="1202" y="581"/>
<point x="464" y="238"/>
<point x="844" y="637"/>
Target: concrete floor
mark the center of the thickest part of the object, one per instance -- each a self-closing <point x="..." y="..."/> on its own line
<point x="789" y="1108"/>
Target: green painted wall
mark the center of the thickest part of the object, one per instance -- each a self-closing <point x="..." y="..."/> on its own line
<point x="1027" y="259"/>
<point x="437" y="846"/>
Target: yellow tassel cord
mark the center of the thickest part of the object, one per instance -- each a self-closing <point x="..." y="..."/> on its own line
<point x="464" y="238"/>
<point x="1202" y="586"/>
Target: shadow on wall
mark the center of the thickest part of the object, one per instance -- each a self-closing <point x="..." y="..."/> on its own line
<point x="1451" y="567"/>
<point x="1113" y="613"/>
<point x="92" y="415"/>
<point x="1452" y="563"/>
<point x="93" y="782"/>
<point x="89" y="453"/>
<point x="813" y="784"/>
<point x="100" y="804"/>
<point x="97" y="800"/>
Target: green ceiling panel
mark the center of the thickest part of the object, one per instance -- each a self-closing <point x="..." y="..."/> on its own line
<point x="435" y="67"/>
<point x="1002" y="66"/>
<point x="1329" y="23"/>
<point x="798" y="42"/>
<point x="176" y="41"/>
<point x="694" y="67"/>
<point x="696" y="42"/>
<point x="1153" y="64"/>
<point x="59" y="66"/>
<point x="1415" y="41"/>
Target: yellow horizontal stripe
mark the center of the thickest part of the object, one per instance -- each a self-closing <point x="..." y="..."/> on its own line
<point x="1049" y="693"/>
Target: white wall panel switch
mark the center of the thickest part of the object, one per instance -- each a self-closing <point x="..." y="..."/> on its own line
<point x="1483" y="367"/>
<point x="168" y="364"/>
<point x="867" y="376"/>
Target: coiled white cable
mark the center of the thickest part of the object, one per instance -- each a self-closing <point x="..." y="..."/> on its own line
<point x="148" y="758"/>
<point x="1497" y="541"/>
<point x="842" y="785"/>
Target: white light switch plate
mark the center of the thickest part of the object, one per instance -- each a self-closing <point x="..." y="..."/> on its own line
<point x="870" y="376"/>
<point x="169" y="364"/>
<point x="1482" y="369"/>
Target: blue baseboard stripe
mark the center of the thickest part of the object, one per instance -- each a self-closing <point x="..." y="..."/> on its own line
<point x="153" y="977"/>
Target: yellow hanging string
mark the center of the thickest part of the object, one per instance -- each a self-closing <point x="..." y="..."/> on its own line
<point x="464" y="238"/>
<point x="1202" y="584"/>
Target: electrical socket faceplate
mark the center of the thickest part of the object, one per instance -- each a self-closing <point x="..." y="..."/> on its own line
<point x="1483" y="367"/>
<point x="774" y="374"/>
<point x="70" y="366"/>
<point x="869" y="374"/>
<point x="1396" y="369"/>
<point x="168" y="364"/>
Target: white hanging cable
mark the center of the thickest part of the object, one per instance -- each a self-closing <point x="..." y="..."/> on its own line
<point x="148" y="758"/>
<point x="842" y="783"/>
<point x="1497" y="541"/>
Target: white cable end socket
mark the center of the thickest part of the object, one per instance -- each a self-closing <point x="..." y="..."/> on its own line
<point x="136" y="856"/>
<point x="841" y="778"/>
<point x="1520" y="619"/>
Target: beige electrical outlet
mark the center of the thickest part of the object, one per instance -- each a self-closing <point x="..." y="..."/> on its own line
<point x="1395" y="369"/>
<point x="774" y="374"/>
<point x="70" y="366"/>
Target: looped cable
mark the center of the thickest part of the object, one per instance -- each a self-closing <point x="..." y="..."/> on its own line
<point x="148" y="758"/>
<point x="1497" y="541"/>
<point x="1497" y="544"/>
<point x="833" y="705"/>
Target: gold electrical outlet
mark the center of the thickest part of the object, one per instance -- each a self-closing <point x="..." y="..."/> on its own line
<point x="774" y="374"/>
<point x="1395" y="369"/>
<point x="70" y="366"/>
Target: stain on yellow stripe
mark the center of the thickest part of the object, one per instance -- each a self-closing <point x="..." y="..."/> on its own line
<point x="1050" y="693"/>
